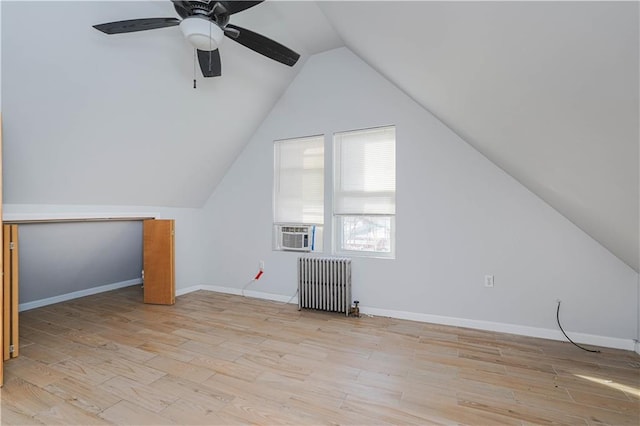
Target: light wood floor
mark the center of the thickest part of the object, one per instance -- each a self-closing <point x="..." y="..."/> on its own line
<point x="221" y="359"/>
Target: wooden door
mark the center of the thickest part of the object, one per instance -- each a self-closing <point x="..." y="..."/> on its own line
<point x="158" y="262"/>
<point x="10" y="347"/>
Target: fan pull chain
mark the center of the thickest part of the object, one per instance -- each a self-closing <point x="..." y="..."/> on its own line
<point x="194" y="68"/>
<point x="210" y="47"/>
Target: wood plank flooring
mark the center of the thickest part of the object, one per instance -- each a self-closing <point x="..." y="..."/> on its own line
<point x="217" y="359"/>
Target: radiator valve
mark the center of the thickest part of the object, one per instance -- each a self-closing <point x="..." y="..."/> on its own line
<point x="355" y="310"/>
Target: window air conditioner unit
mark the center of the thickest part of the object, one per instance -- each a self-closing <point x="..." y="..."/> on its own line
<point x="297" y="238"/>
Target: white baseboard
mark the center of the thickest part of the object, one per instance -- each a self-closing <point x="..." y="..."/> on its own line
<point x="76" y="294"/>
<point x="544" y="333"/>
<point x="637" y="347"/>
<point x="238" y="292"/>
<point x="186" y="290"/>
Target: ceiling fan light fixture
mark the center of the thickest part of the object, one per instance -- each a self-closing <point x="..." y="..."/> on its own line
<point x="202" y="33"/>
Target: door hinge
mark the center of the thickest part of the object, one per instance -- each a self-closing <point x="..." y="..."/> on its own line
<point x="11" y="349"/>
<point x="12" y="245"/>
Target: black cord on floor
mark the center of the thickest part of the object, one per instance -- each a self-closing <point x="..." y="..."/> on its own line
<point x="565" y="334"/>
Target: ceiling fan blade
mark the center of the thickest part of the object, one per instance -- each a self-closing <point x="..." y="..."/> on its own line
<point x="133" y="25"/>
<point x="210" y="63"/>
<point x="238" y="6"/>
<point x="265" y="46"/>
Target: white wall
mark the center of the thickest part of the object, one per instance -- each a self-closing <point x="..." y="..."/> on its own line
<point x="62" y="258"/>
<point x="459" y="217"/>
<point x="188" y="225"/>
<point x="89" y="104"/>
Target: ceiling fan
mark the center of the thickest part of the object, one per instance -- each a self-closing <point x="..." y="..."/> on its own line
<point x="204" y="24"/>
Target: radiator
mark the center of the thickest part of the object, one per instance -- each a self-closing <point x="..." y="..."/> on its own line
<point x="324" y="284"/>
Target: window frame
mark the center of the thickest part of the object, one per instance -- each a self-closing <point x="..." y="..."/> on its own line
<point x="318" y="232"/>
<point x="337" y="222"/>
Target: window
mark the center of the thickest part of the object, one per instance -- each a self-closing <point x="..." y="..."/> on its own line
<point x="364" y="196"/>
<point x="298" y="192"/>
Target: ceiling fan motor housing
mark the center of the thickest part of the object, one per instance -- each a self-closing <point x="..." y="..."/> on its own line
<point x="202" y="33"/>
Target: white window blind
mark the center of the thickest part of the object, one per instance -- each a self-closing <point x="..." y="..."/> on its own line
<point x="365" y="172"/>
<point x="299" y="180"/>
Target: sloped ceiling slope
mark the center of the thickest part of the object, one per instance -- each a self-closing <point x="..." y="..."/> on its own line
<point x="546" y="90"/>
<point x="115" y="120"/>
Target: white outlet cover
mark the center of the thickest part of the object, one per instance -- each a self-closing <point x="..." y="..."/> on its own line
<point x="488" y="280"/>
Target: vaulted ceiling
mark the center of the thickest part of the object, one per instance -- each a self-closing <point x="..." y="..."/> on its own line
<point x="546" y="90"/>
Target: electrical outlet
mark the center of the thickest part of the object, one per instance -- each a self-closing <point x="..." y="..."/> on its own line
<point x="488" y="280"/>
<point x="261" y="265"/>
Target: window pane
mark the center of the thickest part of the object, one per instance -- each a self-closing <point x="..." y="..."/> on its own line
<point x="365" y="172"/>
<point x="366" y="233"/>
<point x="299" y="180"/>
